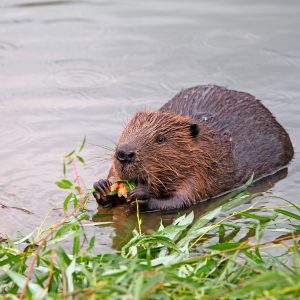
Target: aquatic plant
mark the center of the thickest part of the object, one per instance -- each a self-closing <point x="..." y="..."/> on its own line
<point x="225" y="254"/>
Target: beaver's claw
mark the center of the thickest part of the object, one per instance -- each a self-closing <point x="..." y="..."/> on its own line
<point x="140" y="194"/>
<point x="143" y="205"/>
<point x="102" y="188"/>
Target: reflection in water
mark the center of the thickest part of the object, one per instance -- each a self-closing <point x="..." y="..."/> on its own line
<point x="2" y="206"/>
<point x="124" y="220"/>
<point x="268" y="182"/>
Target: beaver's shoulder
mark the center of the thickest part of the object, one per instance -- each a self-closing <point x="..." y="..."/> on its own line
<point x="259" y="143"/>
<point x="211" y="99"/>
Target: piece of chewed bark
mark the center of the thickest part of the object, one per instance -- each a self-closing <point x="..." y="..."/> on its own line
<point x="114" y="187"/>
<point x="120" y="188"/>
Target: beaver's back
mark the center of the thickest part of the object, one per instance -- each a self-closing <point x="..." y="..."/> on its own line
<point x="259" y="143"/>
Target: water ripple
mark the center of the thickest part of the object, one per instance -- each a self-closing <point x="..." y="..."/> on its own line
<point x="81" y="78"/>
<point x="67" y="20"/>
<point x="45" y="3"/>
<point x="14" y="134"/>
<point x="7" y="47"/>
<point x="78" y="74"/>
<point x="222" y="39"/>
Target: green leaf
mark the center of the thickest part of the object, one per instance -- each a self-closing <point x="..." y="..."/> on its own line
<point x="91" y="243"/>
<point x="225" y="246"/>
<point x="185" y="220"/>
<point x="113" y="193"/>
<point x="296" y="226"/>
<point x="239" y="199"/>
<point x="235" y="198"/>
<point x="70" y="154"/>
<point x="80" y="159"/>
<point x="64" y="168"/>
<point x="82" y="144"/>
<point x="249" y="181"/>
<point x="98" y="215"/>
<point x="75" y="203"/>
<point x="20" y="280"/>
<point x="261" y="218"/>
<point x="259" y="232"/>
<point x="221" y="233"/>
<point x="69" y="274"/>
<point x="138" y="287"/>
<point x="232" y="235"/>
<point x="149" y="240"/>
<point x="130" y="185"/>
<point x="63" y="229"/>
<point x="63" y="258"/>
<point x="261" y="283"/>
<point x="253" y="257"/>
<point x="166" y="260"/>
<point x="64" y="184"/>
<point x="66" y="202"/>
<point x="83" y="216"/>
<point x="76" y="244"/>
<point x="12" y="259"/>
<point x="288" y="213"/>
<point x="193" y="231"/>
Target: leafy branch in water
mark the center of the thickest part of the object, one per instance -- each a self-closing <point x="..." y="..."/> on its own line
<point x="225" y="254"/>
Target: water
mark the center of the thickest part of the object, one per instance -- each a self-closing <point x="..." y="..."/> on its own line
<point x="75" y="68"/>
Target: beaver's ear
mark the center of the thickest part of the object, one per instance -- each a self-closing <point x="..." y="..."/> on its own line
<point x="194" y="130"/>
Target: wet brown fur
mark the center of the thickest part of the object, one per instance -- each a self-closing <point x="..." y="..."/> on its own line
<point x="237" y="136"/>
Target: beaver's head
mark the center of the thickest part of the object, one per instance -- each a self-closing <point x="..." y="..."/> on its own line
<point x="157" y="149"/>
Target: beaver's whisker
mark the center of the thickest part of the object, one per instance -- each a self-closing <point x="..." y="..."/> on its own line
<point x="148" y="177"/>
<point x="112" y="141"/>
<point x="102" y="146"/>
<point x="98" y="160"/>
<point x="150" y="174"/>
<point x="102" y="160"/>
<point x="105" y="155"/>
<point x="100" y="157"/>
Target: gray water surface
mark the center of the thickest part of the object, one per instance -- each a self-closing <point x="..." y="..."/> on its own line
<point x="70" y="69"/>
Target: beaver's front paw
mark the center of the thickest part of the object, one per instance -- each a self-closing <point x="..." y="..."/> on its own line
<point x="101" y="195"/>
<point x="141" y="194"/>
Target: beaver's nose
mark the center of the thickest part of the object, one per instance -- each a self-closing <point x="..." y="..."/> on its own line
<point x="124" y="154"/>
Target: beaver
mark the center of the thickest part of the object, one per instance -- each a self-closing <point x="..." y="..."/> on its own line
<point x="204" y="142"/>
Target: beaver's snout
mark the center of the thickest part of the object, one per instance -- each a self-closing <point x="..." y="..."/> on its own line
<point x="125" y="154"/>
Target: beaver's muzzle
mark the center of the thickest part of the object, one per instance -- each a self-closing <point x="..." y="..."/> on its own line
<point x="125" y="154"/>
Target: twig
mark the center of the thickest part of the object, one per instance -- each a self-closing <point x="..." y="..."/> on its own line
<point x="42" y="242"/>
<point x="138" y="216"/>
<point x="50" y="274"/>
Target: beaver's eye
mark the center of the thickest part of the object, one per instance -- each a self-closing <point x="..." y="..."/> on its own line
<point x="160" y="139"/>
